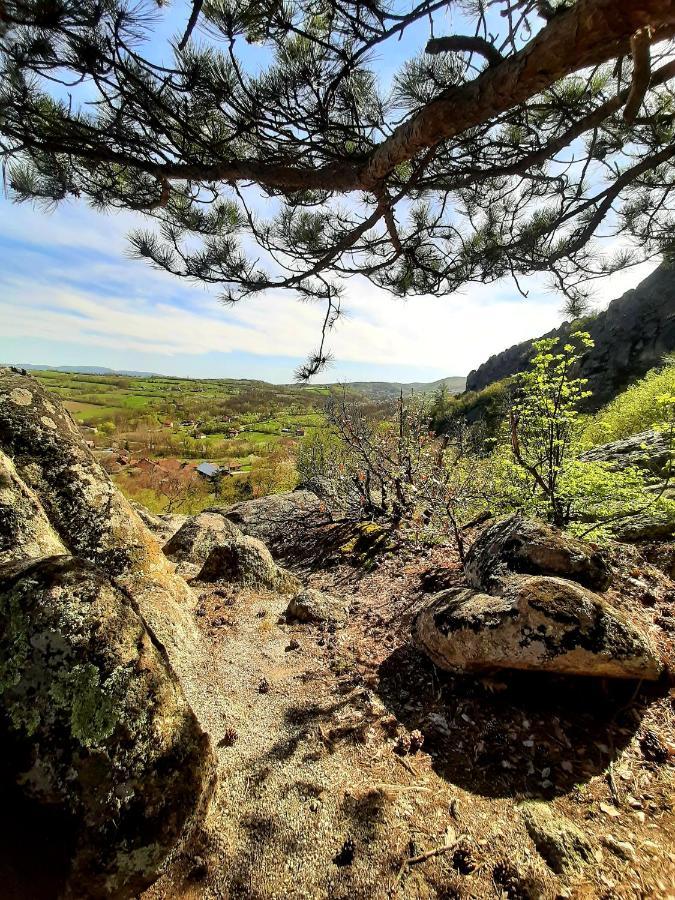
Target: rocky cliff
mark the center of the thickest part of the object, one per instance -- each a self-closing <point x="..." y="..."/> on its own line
<point x="631" y="336"/>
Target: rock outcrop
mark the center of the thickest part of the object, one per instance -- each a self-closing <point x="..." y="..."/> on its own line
<point x="99" y="723"/>
<point x="163" y="526"/>
<point x="518" y="613"/>
<point x="85" y="589"/>
<point x="538" y="624"/>
<point x="634" y="334"/>
<point x="516" y="545"/>
<point x="192" y="543"/>
<point x="650" y="451"/>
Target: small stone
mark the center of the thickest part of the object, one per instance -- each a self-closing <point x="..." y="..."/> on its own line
<point x="610" y="810"/>
<point x="622" y="849"/>
<point x="293" y="644"/>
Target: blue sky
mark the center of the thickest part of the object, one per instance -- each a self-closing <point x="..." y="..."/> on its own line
<point x="69" y="295"/>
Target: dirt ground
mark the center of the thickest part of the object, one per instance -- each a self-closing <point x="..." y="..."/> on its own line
<point x="318" y="797"/>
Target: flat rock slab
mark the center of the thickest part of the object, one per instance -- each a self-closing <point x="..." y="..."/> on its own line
<point x="528" y="547"/>
<point x="539" y="623"/>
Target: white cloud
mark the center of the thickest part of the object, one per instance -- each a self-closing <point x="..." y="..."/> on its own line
<point x="108" y="301"/>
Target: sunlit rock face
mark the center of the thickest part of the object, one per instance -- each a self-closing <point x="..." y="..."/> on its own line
<point x="515" y="545"/>
<point x="538" y="623"/>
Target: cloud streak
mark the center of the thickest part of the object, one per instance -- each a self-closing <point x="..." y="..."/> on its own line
<point x="66" y="279"/>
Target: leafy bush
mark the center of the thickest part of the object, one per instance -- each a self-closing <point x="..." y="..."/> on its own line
<point x="637" y="409"/>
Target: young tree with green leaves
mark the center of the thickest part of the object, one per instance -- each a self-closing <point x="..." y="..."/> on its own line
<point x="544" y="414"/>
<point x="501" y="149"/>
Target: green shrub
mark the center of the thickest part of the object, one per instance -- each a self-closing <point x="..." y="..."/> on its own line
<point x="637" y="409"/>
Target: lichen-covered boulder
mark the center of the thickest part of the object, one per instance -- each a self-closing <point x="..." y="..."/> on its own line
<point x="246" y="561"/>
<point x="91" y="519"/>
<point x="561" y="843"/>
<point x="538" y="623"/>
<point x="316" y="607"/>
<point x="516" y="545"/>
<point x="196" y="538"/>
<point x="650" y="451"/>
<point x="25" y="530"/>
<point x="99" y="723"/>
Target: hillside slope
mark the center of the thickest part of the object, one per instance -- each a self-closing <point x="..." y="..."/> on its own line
<point x="631" y="336"/>
<point x="385" y="390"/>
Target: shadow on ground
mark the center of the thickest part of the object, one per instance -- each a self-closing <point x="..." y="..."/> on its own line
<point x="517" y="734"/>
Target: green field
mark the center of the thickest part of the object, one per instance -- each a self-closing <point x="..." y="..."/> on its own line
<point x="249" y="426"/>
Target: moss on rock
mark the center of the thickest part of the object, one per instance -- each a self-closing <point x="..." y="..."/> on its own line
<point x="100" y="721"/>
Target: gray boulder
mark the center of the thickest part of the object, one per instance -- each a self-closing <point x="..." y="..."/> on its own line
<point x="280" y="520"/>
<point x="516" y="545"/>
<point x="99" y="723"/>
<point x="246" y="561"/>
<point x="559" y="841"/>
<point x="195" y="539"/>
<point x="649" y="450"/>
<point x="316" y="607"/>
<point x="539" y="624"/>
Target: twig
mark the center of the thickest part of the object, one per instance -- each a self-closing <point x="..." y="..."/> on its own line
<point x="194" y="15"/>
<point x="402" y="787"/>
<point x="407" y="765"/>
<point x="422" y="857"/>
<point x="414" y="860"/>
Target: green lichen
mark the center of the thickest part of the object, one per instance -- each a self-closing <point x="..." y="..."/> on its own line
<point x="15" y="652"/>
<point x="95" y="707"/>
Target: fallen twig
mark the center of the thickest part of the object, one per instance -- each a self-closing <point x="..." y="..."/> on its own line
<point x="407" y="765"/>
<point x="422" y="857"/>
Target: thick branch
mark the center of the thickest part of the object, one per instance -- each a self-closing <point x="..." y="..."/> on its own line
<point x="192" y="22"/>
<point x="639" y="45"/>
<point x="467" y="43"/>
<point x="588" y="34"/>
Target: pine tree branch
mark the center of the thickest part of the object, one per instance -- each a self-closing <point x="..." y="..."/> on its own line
<point x="639" y="45"/>
<point x="467" y="43"/>
<point x="192" y="22"/>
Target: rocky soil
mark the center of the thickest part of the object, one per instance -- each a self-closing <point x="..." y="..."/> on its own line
<point x="340" y="761"/>
<point x="325" y="791"/>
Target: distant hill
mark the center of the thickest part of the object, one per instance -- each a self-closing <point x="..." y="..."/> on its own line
<point x="84" y="370"/>
<point x="385" y="390"/>
<point x="634" y="334"/>
<point x="377" y="390"/>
